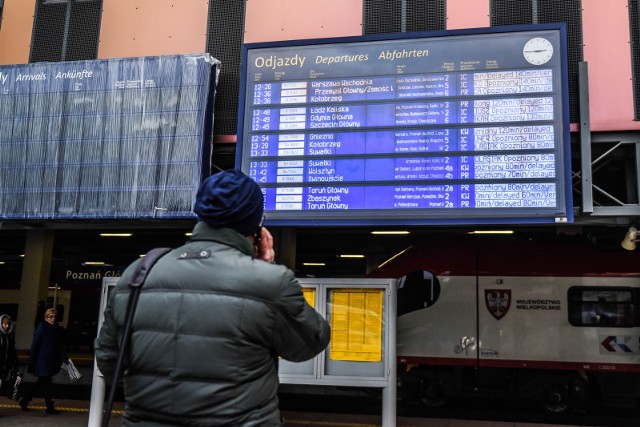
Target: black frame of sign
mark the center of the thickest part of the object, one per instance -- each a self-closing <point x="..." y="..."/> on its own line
<point x="447" y="127"/>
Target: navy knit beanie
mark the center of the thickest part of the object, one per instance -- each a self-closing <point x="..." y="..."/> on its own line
<point x="230" y="199"/>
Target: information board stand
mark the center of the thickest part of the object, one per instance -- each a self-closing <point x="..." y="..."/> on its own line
<point x="98" y="384"/>
<point x="361" y="353"/>
<point x="362" y="350"/>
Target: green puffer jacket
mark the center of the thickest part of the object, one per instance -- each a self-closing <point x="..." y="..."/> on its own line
<point x="209" y="327"/>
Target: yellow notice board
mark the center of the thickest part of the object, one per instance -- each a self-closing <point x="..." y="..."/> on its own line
<point x="356" y="325"/>
<point x="310" y="296"/>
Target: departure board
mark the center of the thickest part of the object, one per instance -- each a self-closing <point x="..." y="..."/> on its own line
<point x="450" y="127"/>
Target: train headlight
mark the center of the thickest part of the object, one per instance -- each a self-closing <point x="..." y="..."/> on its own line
<point x="629" y="242"/>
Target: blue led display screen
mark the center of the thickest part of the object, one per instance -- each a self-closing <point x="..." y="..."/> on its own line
<point x="450" y="127"/>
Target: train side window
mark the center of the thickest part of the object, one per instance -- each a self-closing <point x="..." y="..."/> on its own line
<point x="416" y="291"/>
<point x="604" y="307"/>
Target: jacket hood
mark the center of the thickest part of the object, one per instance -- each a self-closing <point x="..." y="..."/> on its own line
<point x="2" y="331"/>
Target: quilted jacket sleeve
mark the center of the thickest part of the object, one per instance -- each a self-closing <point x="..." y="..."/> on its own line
<point x="300" y="331"/>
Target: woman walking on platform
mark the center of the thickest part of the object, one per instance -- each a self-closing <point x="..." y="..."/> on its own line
<point x="45" y="357"/>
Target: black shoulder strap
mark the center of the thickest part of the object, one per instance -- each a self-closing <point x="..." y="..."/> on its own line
<point x="143" y="268"/>
<point x="135" y="283"/>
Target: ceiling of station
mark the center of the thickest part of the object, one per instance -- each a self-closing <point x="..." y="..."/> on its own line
<point x="317" y="251"/>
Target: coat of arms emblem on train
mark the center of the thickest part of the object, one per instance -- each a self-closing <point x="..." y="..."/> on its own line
<point x="497" y="301"/>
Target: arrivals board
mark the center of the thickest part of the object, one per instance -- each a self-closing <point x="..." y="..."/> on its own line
<point x="112" y="138"/>
<point x="450" y="127"/>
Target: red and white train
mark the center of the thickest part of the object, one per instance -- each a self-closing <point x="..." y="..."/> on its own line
<point x="555" y="322"/>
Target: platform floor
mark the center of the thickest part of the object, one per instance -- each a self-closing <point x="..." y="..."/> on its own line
<point x="76" y="413"/>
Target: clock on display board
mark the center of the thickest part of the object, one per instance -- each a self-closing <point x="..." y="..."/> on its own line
<point x="538" y="51"/>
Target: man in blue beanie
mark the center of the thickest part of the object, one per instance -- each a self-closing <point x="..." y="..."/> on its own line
<point x="212" y="320"/>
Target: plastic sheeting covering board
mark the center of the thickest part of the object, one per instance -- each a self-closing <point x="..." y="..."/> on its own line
<point x="115" y="138"/>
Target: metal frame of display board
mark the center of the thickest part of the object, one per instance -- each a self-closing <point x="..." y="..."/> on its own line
<point x="328" y="370"/>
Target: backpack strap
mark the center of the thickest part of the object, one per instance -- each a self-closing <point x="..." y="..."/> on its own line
<point x="143" y="268"/>
<point x="135" y="283"/>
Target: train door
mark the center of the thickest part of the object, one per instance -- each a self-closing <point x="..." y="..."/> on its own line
<point x="528" y="350"/>
<point x="436" y="333"/>
<point x="437" y="318"/>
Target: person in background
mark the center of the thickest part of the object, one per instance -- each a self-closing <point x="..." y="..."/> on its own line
<point x="212" y="320"/>
<point x="8" y="354"/>
<point x="45" y="358"/>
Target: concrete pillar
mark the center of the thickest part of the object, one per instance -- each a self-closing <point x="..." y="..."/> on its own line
<point x="285" y="243"/>
<point x="36" y="267"/>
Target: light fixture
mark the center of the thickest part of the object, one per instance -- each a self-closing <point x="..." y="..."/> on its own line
<point x="629" y="242"/>
<point x="392" y="258"/>
<point x="93" y="263"/>
<point x="350" y="256"/>
<point x="314" y="264"/>
<point x="491" y="232"/>
<point x="1" y="262"/>
<point x="116" y="234"/>
<point x="391" y="232"/>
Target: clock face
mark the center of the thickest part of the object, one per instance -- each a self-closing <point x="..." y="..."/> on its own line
<point x="538" y="51"/>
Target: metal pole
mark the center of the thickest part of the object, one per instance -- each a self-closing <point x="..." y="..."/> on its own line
<point x="586" y="178"/>
<point x="389" y="392"/>
<point x="98" y="384"/>
<point x="96" y="406"/>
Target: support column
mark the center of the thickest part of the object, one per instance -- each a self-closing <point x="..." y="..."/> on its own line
<point x="36" y="267"/>
<point x="287" y="247"/>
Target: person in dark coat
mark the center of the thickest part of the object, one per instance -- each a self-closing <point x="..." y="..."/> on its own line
<point x="213" y="318"/>
<point x="45" y="358"/>
<point x="8" y="355"/>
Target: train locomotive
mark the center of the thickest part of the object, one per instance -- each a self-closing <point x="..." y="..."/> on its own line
<point x="555" y="322"/>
